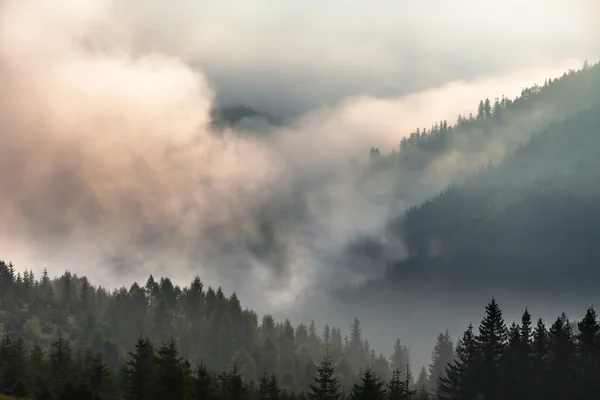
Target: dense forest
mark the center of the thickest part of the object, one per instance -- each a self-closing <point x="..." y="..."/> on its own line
<point x="503" y="120"/>
<point x="531" y="212"/>
<point x="66" y="339"/>
<point x="208" y="327"/>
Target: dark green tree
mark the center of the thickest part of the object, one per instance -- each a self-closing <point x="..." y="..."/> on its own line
<point x="562" y="358"/>
<point x="398" y="387"/>
<point x="588" y="346"/>
<point x="492" y="341"/>
<point x="140" y="372"/>
<point x="97" y="376"/>
<point x="326" y="385"/>
<point x="172" y="374"/>
<point x="461" y="378"/>
<point x="370" y="387"/>
<point x="540" y="357"/>
<point x="60" y="364"/>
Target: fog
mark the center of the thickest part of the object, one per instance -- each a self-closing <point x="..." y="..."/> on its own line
<point x="109" y="167"/>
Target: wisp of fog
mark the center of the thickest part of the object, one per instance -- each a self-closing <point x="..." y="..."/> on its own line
<point x="109" y="166"/>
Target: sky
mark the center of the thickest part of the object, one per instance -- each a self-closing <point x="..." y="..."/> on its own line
<point x="109" y="167"/>
<point x="291" y="56"/>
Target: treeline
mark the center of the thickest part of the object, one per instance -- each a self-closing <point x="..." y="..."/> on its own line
<point x="563" y="97"/>
<point x="523" y="361"/>
<point x="160" y="372"/>
<point x="207" y="326"/>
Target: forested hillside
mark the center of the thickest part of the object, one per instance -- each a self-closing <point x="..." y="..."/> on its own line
<point x="517" y="224"/>
<point x="64" y="339"/>
<point x="208" y="326"/>
<point x="537" y="212"/>
<point x="503" y="122"/>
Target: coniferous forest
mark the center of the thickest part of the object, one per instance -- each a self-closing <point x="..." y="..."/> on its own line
<point x="67" y="339"/>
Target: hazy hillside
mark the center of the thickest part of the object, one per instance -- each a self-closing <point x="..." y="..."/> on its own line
<point x="529" y="223"/>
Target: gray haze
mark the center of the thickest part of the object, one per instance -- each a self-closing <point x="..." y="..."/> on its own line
<point x="109" y="167"/>
<point x="289" y="57"/>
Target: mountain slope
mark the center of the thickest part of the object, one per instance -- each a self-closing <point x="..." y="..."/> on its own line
<point x="531" y="222"/>
<point x="208" y="327"/>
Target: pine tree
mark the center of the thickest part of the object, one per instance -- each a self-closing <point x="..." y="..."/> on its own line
<point x="37" y="366"/>
<point x="355" y="342"/>
<point x="539" y="357"/>
<point x="326" y="386"/>
<point x="232" y="385"/>
<point x="461" y="378"/>
<point x="481" y="110"/>
<point x="487" y="108"/>
<point x="398" y="387"/>
<point x="326" y="336"/>
<point x="422" y="392"/>
<point x="140" y="372"/>
<point x="268" y="388"/>
<point x="204" y="384"/>
<point x="588" y="346"/>
<point x="369" y="388"/>
<point x="513" y="365"/>
<point x="171" y="374"/>
<point x="562" y="358"/>
<point x="13" y="367"/>
<point x="97" y="376"/>
<point x="443" y="354"/>
<point x="61" y="363"/>
<point x="273" y="388"/>
<point x="491" y="341"/>
<point x="526" y="332"/>
<point x="400" y="359"/>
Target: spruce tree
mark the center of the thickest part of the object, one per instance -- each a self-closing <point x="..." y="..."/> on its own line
<point x="97" y="376"/>
<point x="398" y="387"/>
<point x="140" y="372"/>
<point x="526" y="332"/>
<point x="491" y="341"/>
<point x="400" y="359"/>
<point x="461" y="378"/>
<point x="171" y="377"/>
<point x="443" y="354"/>
<point x="487" y="108"/>
<point x="562" y="358"/>
<point x="539" y="357"/>
<point x="422" y="393"/>
<point x="274" y="390"/>
<point x="513" y="365"/>
<point x="204" y="384"/>
<point x="60" y="363"/>
<point x="13" y="367"/>
<point x="268" y="388"/>
<point x="588" y="346"/>
<point x="326" y="384"/>
<point x="232" y="384"/>
<point x="369" y="388"/>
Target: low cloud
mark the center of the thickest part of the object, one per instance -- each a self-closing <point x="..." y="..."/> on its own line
<point x="109" y="167"/>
